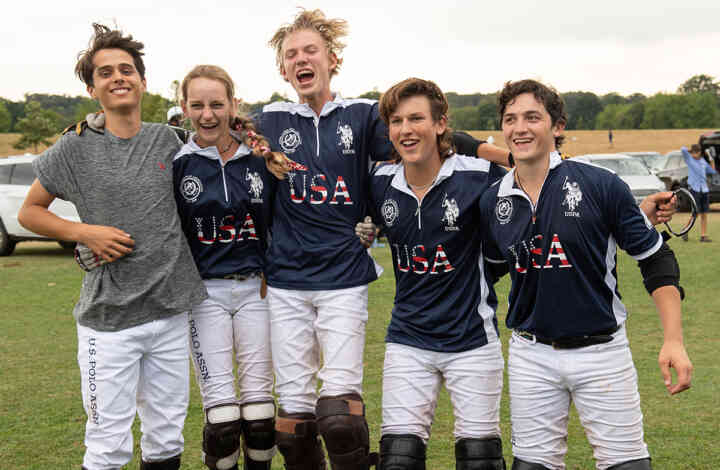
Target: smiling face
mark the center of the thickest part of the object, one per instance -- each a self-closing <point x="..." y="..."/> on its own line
<point x="116" y="82"/>
<point x="528" y="129"/>
<point x="210" y="109"/>
<point x="307" y="66"/>
<point x="413" y="132"/>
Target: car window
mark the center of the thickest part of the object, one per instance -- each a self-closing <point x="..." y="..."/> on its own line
<point x="631" y="168"/>
<point x="674" y="161"/>
<point x="655" y="162"/>
<point x="5" y="171"/>
<point x="23" y="174"/>
<point x="609" y="164"/>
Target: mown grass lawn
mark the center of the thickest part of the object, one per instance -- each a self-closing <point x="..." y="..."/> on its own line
<point x="42" y="419"/>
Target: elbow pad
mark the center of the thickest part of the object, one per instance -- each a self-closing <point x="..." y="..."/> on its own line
<point x="661" y="269"/>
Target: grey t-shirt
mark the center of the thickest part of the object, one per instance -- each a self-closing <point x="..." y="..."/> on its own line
<point x="126" y="183"/>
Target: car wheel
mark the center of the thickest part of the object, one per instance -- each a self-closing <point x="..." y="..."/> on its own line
<point x="7" y="246"/>
<point x="67" y="245"/>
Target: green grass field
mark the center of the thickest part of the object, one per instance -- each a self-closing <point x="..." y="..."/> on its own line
<point x="42" y="419"/>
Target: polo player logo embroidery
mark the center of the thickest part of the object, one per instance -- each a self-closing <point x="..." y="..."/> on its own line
<point x="345" y="138"/>
<point x="573" y="196"/>
<point x="451" y="215"/>
<point x="256" y="185"/>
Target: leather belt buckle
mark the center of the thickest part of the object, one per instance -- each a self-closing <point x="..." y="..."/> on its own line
<point x="527" y="336"/>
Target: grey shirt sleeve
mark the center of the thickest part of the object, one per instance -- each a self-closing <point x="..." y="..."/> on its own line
<point x="53" y="170"/>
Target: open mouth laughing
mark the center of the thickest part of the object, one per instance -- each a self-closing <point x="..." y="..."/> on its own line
<point x="304" y="76"/>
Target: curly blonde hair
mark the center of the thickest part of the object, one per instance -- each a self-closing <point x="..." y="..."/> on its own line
<point x="331" y="30"/>
<point x="241" y="124"/>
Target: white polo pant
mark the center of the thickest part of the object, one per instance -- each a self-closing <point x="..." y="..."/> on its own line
<point x="412" y="378"/>
<point x="600" y="379"/>
<point x="317" y="334"/>
<point x="233" y="320"/>
<point x="143" y="369"/>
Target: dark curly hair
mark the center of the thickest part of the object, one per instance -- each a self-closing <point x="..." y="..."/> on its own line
<point x="546" y="95"/>
<point x="106" y="38"/>
<point x="408" y="88"/>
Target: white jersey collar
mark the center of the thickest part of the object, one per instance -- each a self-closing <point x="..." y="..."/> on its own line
<point x="212" y="152"/>
<point x="507" y="183"/>
<point x="446" y="170"/>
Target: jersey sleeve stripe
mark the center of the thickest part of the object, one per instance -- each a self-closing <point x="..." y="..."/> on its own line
<point x="651" y="251"/>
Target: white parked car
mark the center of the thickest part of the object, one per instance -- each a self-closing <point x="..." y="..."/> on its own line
<point x="16" y="176"/>
<point x="654" y="161"/>
<point x="631" y="170"/>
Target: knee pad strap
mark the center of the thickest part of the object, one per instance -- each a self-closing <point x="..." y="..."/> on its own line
<point x="172" y="463"/>
<point x="258" y="427"/>
<point x="221" y="437"/>
<point x="522" y="465"/>
<point x="297" y="440"/>
<point x="402" y="452"/>
<point x="641" y="464"/>
<point x="479" y="454"/>
<point x="341" y="421"/>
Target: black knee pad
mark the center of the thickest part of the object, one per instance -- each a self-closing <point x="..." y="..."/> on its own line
<point x="221" y="437"/>
<point x="641" y="464"/>
<point x="341" y="422"/>
<point x="479" y="454"/>
<point x="258" y="427"/>
<point x="297" y="440"/>
<point x="522" y="465"/>
<point x="172" y="463"/>
<point x="402" y="452"/>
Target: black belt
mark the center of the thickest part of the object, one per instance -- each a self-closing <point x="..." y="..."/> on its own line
<point x="573" y="342"/>
<point x="237" y="276"/>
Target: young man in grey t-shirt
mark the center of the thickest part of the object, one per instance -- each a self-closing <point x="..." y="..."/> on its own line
<point x="132" y="312"/>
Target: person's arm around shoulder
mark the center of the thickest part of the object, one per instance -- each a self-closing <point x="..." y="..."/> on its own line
<point x="110" y="243"/>
<point x="465" y="144"/>
<point x="673" y="353"/>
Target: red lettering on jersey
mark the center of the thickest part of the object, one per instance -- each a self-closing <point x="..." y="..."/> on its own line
<point x="315" y="187"/>
<point x="341" y="189"/>
<point x="441" y="259"/>
<point x="557" y="247"/>
<point x="402" y="268"/>
<point x="293" y="197"/>
<point x="227" y="226"/>
<point x="419" y="259"/>
<point x="535" y="250"/>
<point x="518" y="268"/>
<point x="248" y="228"/>
<point x="201" y="233"/>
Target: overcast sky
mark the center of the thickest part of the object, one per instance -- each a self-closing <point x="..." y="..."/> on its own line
<point x="465" y="46"/>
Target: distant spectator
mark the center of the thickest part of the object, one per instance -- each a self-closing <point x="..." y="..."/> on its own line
<point x="175" y="116"/>
<point x="698" y="169"/>
<point x="174" y="120"/>
<point x="610" y="137"/>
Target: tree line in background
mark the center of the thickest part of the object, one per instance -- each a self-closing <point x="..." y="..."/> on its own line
<point x="695" y="105"/>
